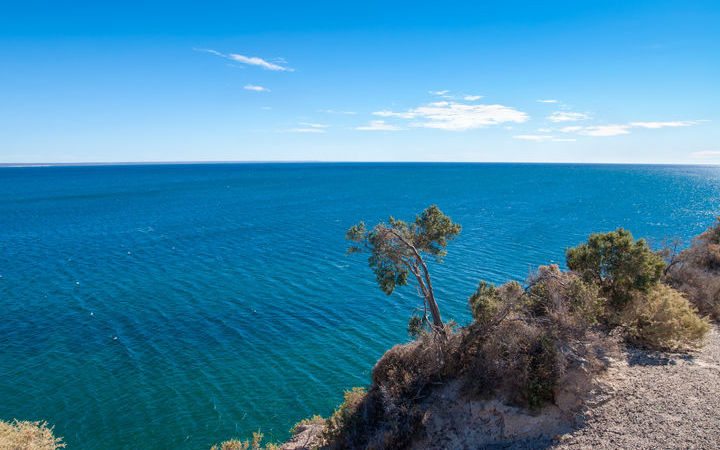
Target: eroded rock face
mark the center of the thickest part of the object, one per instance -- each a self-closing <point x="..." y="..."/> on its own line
<point x="454" y="421"/>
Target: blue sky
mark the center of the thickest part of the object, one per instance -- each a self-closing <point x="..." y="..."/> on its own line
<point x="577" y="81"/>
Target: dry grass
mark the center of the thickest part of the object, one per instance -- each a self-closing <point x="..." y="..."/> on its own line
<point x="255" y="444"/>
<point x="17" y="435"/>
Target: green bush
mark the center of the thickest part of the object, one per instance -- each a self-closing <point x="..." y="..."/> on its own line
<point x="484" y="303"/>
<point x="618" y="264"/>
<point x="663" y="319"/>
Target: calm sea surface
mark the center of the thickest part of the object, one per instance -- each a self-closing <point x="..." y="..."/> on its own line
<point x="176" y="306"/>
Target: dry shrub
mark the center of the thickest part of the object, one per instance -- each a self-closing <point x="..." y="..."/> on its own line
<point x="17" y="435"/>
<point x="521" y="345"/>
<point x="696" y="272"/>
<point x="663" y="319"/>
<point x="255" y="444"/>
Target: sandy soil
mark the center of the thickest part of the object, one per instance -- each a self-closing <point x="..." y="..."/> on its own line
<point x="654" y="400"/>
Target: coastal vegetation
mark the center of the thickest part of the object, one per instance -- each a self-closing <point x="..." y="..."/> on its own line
<point x="531" y="345"/>
<point x="696" y="271"/>
<point x="23" y="435"/>
<point x="528" y="343"/>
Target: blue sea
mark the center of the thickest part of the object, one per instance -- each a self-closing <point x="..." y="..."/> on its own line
<point x="176" y="306"/>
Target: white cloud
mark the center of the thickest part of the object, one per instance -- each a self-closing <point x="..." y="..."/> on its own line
<point x="332" y="111"/>
<point x="458" y="116"/>
<point x="570" y="129"/>
<point x="564" y="140"/>
<point x="605" y="130"/>
<point x="619" y="129"/>
<point x="566" y="116"/>
<point x="379" y="125"/>
<point x="706" y="154"/>
<point x="253" y="87"/>
<point x="438" y="92"/>
<point x="314" y="125"/>
<point x="472" y="98"/>
<point x="250" y="60"/>
<point x="655" y="125"/>
<point x="548" y="101"/>
<point x="533" y="137"/>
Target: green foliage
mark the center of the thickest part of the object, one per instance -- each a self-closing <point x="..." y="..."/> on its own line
<point x="416" y="326"/>
<point x="663" y="319"/>
<point x="484" y="303"/>
<point x="542" y="373"/>
<point x="393" y="245"/>
<point x="618" y="264"/>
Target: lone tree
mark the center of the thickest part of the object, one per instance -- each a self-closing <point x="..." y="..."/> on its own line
<point x="397" y="250"/>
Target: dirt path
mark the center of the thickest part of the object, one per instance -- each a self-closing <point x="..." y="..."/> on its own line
<point x="655" y="400"/>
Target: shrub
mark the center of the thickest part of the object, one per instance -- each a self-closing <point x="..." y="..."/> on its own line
<point x="618" y="264"/>
<point x="22" y="435"/>
<point x="564" y="294"/>
<point x="256" y="444"/>
<point x="663" y="319"/>
<point x="696" y="272"/>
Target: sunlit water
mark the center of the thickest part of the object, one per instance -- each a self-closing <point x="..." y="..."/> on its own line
<point x="176" y="306"/>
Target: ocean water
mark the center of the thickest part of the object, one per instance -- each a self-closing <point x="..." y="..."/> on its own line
<point x="175" y="306"/>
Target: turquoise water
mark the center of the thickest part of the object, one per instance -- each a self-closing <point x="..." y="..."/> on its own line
<point x="175" y="306"/>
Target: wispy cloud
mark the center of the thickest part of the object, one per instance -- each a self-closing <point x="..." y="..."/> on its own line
<point x="457" y="116"/>
<point x="472" y="98"/>
<point x="620" y="129"/>
<point x="655" y="125"/>
<point x="439" y="92"/>
<point x="706" y="154"/>
<point x="314" y="125"/>
<point x="333" y="111"/>
<point x="253" y="87"/>
<point x="250" y="60"/>
<point x="533" y="137"/>
<point x="542" y="138"/>
<point x="605" y="130"/>
<point x="550" y="100"/>
<point x="379" y="125"/>
<point x="567" y="116"/>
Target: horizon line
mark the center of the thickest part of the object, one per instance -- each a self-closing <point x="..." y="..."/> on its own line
<point x="157" y="163"/>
